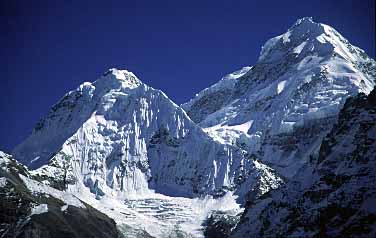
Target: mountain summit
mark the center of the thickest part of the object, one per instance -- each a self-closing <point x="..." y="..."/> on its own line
<point x="293" y="93"/>
<point x="307" y="37"/>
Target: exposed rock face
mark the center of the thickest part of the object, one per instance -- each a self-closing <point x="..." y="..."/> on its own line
<point x="24" y="213"/>
<point x="338" y="198"/>
<point x="220" y="225"/>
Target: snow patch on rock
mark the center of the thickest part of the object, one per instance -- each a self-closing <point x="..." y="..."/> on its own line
<point x="39" y="209"/>
<point x="3" y="182"/>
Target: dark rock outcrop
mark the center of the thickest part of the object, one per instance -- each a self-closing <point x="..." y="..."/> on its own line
<point x="17" y="219"/>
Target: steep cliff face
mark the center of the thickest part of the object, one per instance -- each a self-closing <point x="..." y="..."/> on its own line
<point x="281" y="108"/>
<point x="46" y="212"/>
<point x="119" y="136"/>
<point x="338" y="198"/>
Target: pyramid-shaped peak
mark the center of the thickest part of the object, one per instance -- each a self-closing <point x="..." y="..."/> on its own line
<point x="115" y="78"/>
<point x="304" y="26"/>
<point x="304" y="20"/>
<point x="307" y="37"/>
<point x="120" y="74"/>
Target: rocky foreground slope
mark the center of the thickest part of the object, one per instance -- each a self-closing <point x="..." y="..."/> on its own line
<point x="47" y="212"/>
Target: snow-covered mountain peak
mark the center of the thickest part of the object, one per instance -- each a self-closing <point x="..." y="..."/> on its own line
<point x="301" y="79"/>
<point x="116" y="78"/>
<point x="306" y="38"/>
<point x="120" y="74"/>
<point x="122" y="137"/>
<point x="304" y="20"/>
<point x="304" y="29"/>
<point x="307" y="24"/>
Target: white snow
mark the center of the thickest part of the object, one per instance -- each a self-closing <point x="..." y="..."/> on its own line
<point x="299" y="48"/>
<point x="281" y="86"/>
<point x="271" y="179"/>
<point x="244" y="127"/>
<point x="226" y="134"/>
<point x="4" y="160"/>
<point x="42" y="189"/>
<point x="226" y="83"/>
<point x="3" y="182"/>
<point x="39" y="209"/>
<point x="159" y="214"/>
<point x="268" y="46"/>
<point x="64" y="208"/>
<point x="286" y="37"/>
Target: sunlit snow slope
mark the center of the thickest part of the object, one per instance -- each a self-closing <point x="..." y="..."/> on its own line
<point x="121" y="140"/>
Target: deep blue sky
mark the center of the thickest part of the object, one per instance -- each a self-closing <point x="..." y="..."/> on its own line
<point x="180" y="47"/>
